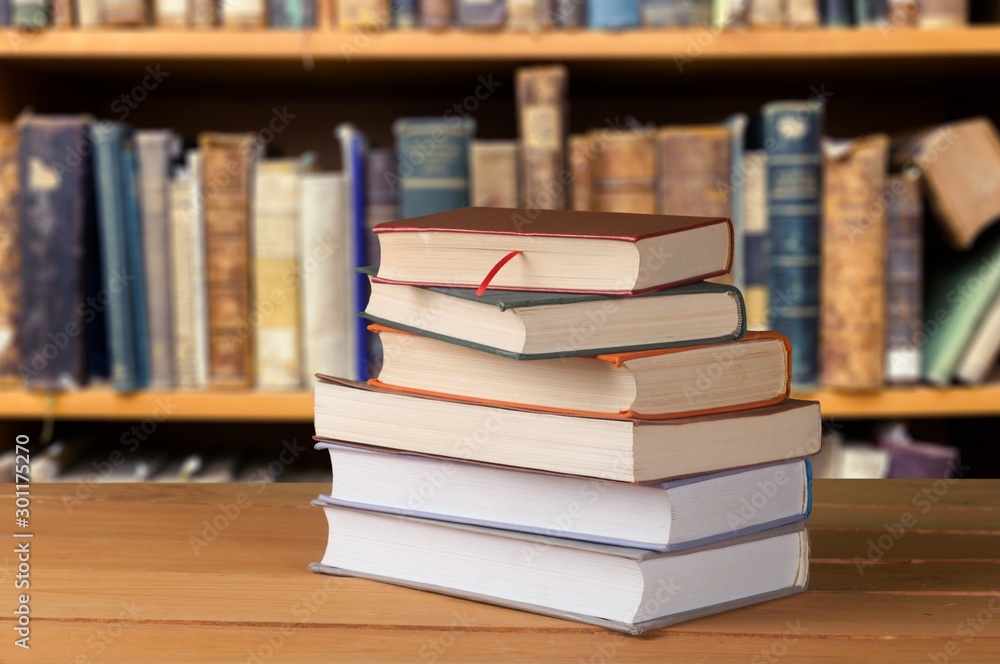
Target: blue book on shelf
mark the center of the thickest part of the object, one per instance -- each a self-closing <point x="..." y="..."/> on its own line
<point x="836" y="13"/>
<point x="871" y="12"/>
<point x="792" y="133"/>
<point x="292" y="13"/>
<point x="119" y="276"/>
<point x="353" y="150"/>
<point x="134" y="246"/>
<point x="433" y="164"/>
<point x="405" y="13"/>
<point x="613" y="14"/>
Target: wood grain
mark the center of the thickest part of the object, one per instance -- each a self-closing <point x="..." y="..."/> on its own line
<point x="118" y="576"/>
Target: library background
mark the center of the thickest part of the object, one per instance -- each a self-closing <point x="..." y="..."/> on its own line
<point x="187" y="189"/>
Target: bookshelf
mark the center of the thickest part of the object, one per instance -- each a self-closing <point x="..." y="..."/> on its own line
<point x="231" y="81"/>
<point x="103" y="404"/>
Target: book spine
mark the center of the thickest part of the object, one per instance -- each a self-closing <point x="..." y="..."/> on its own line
<point x="182" y="252"/>
<point x="482" y="14"/>
<point x="436" y="14"/>
<point x="693" y="171"/>
<point x="203" y="14"/>
<point x="123" y="13"/>
<point x="736" y="125"/>
<point x="433" y="163"/>
<point x="354" y="148"/>
<point x="227" y="162"/>
<point x="581" y="166"/>
<point x="108" y="142"/>
<point x="494" y="174"/>
<point x="541" y="115"/>
<point x="943" y="13"/>
<point x="853" y="281"/>
<point x="904" y="13"/>
<point x="662" y="13"/>
<point x="405" y="14"/>
<point x="792" y="133"/>
<point x="837" y="13"/>
<point x="296" y="14"/>
<point x="613" y="14"/>
<point x="801" y="13"/>
<point x="871" y="12"/>
<point x="244" y="14"/>
<point x="766" y="13"/>
<point x="730" y="13"/>
<point x="170" y="13"/>
<point x="5" y="12"/>
<point x="29" y="14"/>
<point x="380" y="198"/>
<point x="569" y="13"/>
<point x="624" y="173"/>
<point x="88" y="14"/>
<point x="363" y="14"/>
<point x="905" y="273"/>
<point x="62" y="13"/>
<point x="134" y="247"/>
<point x="199" y="288"/>
<point x="10" y="253"/>
<point x="755" y="249"/>
<point x="156" y="151"/>
<point x="52" y="225"/>
<point x="276" y="208"/>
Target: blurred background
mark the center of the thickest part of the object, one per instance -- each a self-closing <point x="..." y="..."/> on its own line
<point x="187" y="188"/>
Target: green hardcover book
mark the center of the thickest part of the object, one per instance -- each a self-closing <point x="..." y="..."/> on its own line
<point x="961" y="288"/>
<point x="530" y="325"/>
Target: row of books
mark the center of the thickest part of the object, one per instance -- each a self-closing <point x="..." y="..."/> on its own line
<point x="516" y="15"/>
<point x="625" y="467"/>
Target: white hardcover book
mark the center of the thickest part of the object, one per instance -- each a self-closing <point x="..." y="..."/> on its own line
<point x="199" y="292"/>
<point x="244" y="14"/>
<point x="326" y="277"/>
<point x="274" y="310"/>
<point x="980" y="355"/>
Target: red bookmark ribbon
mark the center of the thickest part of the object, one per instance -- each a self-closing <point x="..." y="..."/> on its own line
<point x="493" y="272"/>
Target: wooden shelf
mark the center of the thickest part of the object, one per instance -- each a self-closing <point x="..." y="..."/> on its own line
<point x="103" y="404"/>
<point x="647" y="45"/>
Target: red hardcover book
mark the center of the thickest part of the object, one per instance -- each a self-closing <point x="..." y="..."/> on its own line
<point x="554" y="250"/>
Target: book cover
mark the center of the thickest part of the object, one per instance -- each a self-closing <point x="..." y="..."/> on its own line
<point x="961" y="287"/>
<point x="726" y="360"/>
<point x="203" y="14"/>
<point x="802" y="13"/>
<point x="11" y="301"/>
<point x="109" y="143"/>
<point x="730" y="13"/>
<point x="943" y="13"/>
<point x="980" y="355"/>
<point x="853" y="259"/>
<point x="328" y="320"/>
<point x="569" y="13"/>
<point x="493" y="174"/>
<point x="157" y="150"/>
<point x="405" y="14"/>
<point x="960" y="163"/>
<point x="624" y="172"/>
<point x="792" y="132"/>
<point x="5" y="12"/>
<point x="354" y="151"/>
<point x="766" y="13"/>
<point x="184" y="277"/>
<point x="541" y="130"/>
<point x="581" y="160"/>
<point x="362" y="14"/>
<point x="53" y="205"/>
<point x="436" y="14"/>
<point x="277" y="201"/>
<point x="199" y="287"/>
<point x="227" y="165"/>
<point x="135" y="249"/>
<point x="905" y="283"/>
<point x="433" y="163"/>
<point x="755" y="240"/>
<point x="31" y="14"/>
<point x="529" y="15"/>
<point x="613" y="14"/>
<point x="736" y="125"/>
<point x="676" y="13"/>
<point x="870" y="13"/>
<point x="62" y="13"/>
<point x="295" y="14"/>
<point x="793" y="536"/>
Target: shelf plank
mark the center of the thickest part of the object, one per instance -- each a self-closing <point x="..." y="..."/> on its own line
<point x="103" y="404"/>
<point x="648" y="45"/>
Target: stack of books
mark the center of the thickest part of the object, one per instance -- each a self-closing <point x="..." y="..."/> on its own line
<point x="569" y="420"/>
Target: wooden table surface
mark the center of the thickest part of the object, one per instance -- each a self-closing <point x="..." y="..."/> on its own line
<point x="217" y="573"/>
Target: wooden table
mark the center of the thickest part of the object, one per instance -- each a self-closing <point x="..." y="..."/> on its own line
<point x="171" y="573"/>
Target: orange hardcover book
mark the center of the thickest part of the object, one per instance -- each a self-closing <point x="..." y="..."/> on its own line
<point x="553" y="250"/>
<point x="658" y="384"/>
